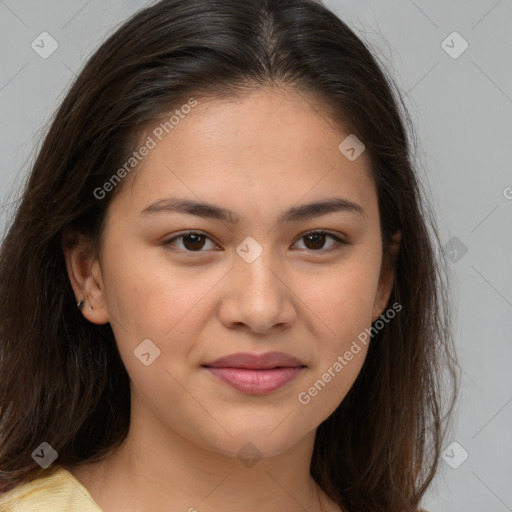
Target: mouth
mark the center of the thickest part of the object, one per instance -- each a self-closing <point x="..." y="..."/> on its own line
<point x="256" y="374"/>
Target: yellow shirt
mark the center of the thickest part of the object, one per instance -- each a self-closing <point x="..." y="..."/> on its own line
<point x="58" y="492"/>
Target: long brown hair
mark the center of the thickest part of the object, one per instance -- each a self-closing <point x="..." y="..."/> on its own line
<point x="62" y="380"/>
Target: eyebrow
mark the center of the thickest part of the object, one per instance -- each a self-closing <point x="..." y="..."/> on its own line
<point x="293" y="214"/>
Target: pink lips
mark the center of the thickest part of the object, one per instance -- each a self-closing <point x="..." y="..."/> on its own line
<point x="256" y="374"/>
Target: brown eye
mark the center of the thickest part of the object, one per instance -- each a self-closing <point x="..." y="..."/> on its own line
<point x="315" y="240"/>
<point x="193" y="242"/>
<point x="190" y="242"/>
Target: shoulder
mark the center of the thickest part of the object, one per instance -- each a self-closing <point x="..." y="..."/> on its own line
<point x="56" y="492"/>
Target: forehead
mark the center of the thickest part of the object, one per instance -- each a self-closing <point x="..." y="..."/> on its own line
<point x="269" y="145"/>
<point x="252" y="121"/>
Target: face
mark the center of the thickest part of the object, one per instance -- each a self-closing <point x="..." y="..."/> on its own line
<point x="254" y="272"/>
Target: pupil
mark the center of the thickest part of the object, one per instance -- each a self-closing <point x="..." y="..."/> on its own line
<point x="195" y="239"/>
<point x="318" y="239"/>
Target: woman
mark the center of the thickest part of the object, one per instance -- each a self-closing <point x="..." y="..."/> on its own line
<point x="227" y="195"/>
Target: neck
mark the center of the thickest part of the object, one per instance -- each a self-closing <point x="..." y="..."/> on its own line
<point x="159" y="470"/>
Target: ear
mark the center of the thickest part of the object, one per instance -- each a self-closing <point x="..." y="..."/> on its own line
<point x="387" y="277"/>
<point x="84" y="274"/>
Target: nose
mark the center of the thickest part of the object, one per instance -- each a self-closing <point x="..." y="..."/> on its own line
<point x="258" y="298"/>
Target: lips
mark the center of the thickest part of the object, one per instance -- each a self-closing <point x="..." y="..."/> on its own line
<point x="256" y="374"/>
<point x="264" y="361"/>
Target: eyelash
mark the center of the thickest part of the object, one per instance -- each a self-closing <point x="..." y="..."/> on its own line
<point x="339" y="241"/>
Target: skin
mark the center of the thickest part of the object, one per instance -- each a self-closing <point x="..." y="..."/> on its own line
<point x="256" y="156"/>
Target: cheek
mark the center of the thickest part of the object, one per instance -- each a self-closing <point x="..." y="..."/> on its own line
<point x="327" y="388"/>
<point x="158" y="303"/>
<point x="342" y="347"/>
<point x="149" y="298"/>
<point x="342" y="307"/>
<point x="341" y="300"/>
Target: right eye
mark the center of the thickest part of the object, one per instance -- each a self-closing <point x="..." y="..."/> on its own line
<point x="192" y="241"/>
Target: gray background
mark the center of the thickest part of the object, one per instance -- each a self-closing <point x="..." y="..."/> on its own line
<point x="462" y="109"/>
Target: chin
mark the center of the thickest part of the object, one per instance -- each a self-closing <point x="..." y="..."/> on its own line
<point x="269" y="440"/>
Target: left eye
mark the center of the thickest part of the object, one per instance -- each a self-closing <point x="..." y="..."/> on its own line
<point x="194" y="241"/>
<point x="317" y="238"/>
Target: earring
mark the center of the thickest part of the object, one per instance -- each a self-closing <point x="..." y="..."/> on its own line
<point x="81" y="304"/>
